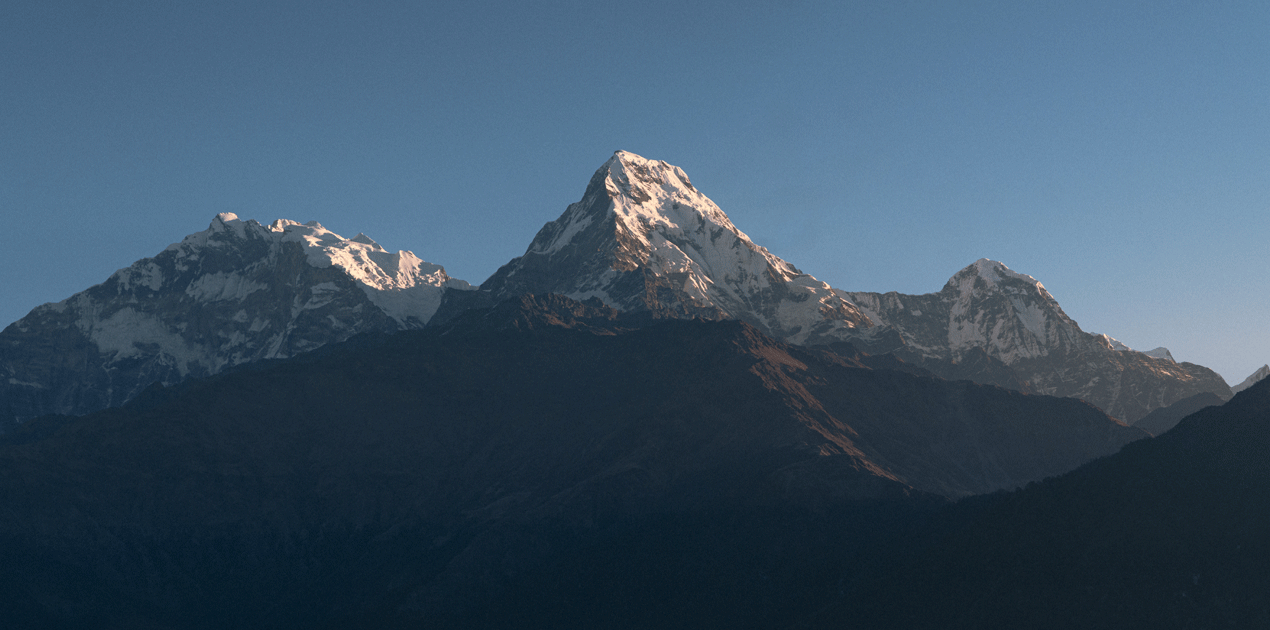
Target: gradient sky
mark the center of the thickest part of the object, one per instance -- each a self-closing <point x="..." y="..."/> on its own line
<point x="1117" y="151"/>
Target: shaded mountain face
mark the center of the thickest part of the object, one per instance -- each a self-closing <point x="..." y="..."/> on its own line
<point x="236" y="292"/>
<point x="643" y="238"/>
<point x="1166" y="418"/>
<point x="1168" y="533"/>
<point x="465" y="474"/>
<point x="988" y="308"/>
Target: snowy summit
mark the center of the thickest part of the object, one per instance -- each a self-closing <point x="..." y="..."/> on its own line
<point x="236" y="292"/>
<point x="644" y="238"/>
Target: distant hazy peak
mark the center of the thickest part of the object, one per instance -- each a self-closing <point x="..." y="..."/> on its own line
<point x="1113" y="343"/>
<point x="1252" y="379"/>
<point x="1161" y="352"/>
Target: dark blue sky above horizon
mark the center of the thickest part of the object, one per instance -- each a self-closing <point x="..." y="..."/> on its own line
<point x="1117" y="151"/>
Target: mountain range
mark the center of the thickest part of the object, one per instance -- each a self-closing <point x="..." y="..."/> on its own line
<point x="641" y="239"/>
<point x="646" y="420"/>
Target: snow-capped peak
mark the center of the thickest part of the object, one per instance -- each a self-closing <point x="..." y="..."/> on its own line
<point x="1160" y="353"/>
<point x="652" y="198"/>
<point x="657" y="193"/>
<point x="646" y="196"/>
<point x="388" y="279"/>
<point x="994" y="274"/>
<point x="645" y="217"/>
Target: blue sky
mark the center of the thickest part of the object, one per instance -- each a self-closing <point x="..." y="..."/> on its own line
<point x="1117" y="151"/>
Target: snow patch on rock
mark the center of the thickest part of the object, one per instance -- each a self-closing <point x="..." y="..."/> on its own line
<point x="222" y="286"/>
<point x="126" y="333"/>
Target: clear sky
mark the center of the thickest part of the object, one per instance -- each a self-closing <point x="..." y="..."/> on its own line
<point x="1117" y="151"/>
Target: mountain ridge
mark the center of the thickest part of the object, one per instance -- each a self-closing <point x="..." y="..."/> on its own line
<point x="236" y="292"/>
<point x="1013" y="319"/>
<point x="642" y="239"/>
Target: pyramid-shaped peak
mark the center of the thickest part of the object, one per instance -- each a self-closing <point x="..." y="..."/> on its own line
<point x="223" y="221"/>
<point x="992" y="273"/>
<point x="635" y="196"/>
<point x="366" y="240"/>
<point x="644" y="238"/>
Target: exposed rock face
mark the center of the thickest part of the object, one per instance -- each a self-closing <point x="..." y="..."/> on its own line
<point x="237" y="292"/>
<point x="1010" y="316"/>
<point x="643" y="238"/>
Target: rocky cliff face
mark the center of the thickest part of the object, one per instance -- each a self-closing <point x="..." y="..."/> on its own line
<point x="643" y="238"/>
<point x="989" y="308"/>
<point x="236" y="292"/>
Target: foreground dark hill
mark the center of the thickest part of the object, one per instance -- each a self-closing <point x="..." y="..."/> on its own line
<point x="1169" y="533"/>
<point x="544" y="462"/>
